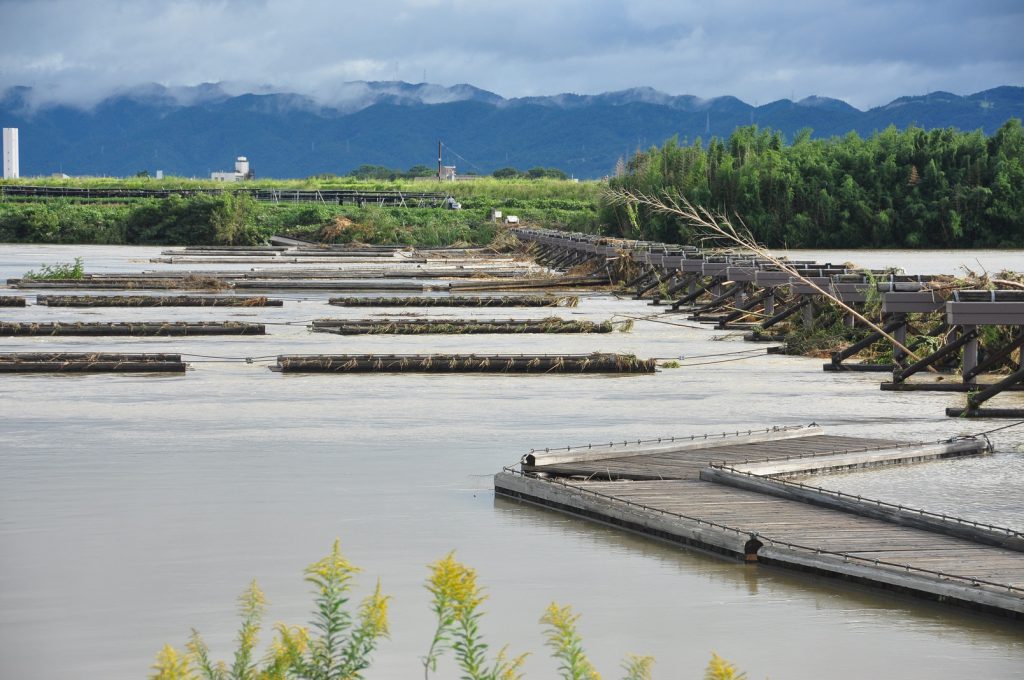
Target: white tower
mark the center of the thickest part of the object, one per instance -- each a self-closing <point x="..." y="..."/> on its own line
<point x="242" y="166"/>
<point x="11" y="165"/>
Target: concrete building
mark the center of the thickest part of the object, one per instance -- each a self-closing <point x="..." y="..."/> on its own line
<point x="12" y="166"/>
<point x="242" y="172"/>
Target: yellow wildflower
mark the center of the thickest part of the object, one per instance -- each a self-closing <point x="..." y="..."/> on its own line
<point x="332" y="570"/>
<point x="374" y="613"/>
<point x="170" y="665"/>
<point x="720" y="669"/>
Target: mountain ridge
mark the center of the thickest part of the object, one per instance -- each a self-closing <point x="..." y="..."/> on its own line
<point x="192" y="131"/>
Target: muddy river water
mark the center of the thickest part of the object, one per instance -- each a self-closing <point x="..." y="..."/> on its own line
<point x="135" y="507"/>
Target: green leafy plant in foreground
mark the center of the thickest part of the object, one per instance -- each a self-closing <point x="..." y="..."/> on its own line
<point x="338" y="645"/>
<point x="62" y="271"/>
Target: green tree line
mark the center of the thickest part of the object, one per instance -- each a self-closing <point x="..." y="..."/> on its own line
<point x="942" y="188"/>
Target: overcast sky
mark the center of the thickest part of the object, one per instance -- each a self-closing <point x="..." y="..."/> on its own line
<point x="866" y="52"/>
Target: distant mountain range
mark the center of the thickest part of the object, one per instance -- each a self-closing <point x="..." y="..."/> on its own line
<point x="193" y="131"/>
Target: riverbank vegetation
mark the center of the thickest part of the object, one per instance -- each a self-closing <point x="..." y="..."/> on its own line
<point x="61" y="271"/>
<point x="339" y="643"/>
<point x="233" y="217"/>
<point x="908" y="188"/>
<point x="913" y="188"/>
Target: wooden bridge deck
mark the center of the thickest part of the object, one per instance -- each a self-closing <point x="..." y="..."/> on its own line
<point x="777" y="519"/>
<point x="662" y="494"/>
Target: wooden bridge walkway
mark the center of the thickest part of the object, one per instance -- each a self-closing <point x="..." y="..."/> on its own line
<point x="686" y="496"/>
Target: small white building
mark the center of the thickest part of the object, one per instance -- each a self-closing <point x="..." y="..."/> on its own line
<point x="448" y="173"/>
<point x="12" y="165"/>
<point x="241" y="173"/>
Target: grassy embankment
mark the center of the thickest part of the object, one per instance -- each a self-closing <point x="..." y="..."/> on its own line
<point x="236" y="219"/>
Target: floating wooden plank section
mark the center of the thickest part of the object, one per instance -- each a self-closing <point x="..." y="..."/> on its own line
<point x="459" y="301"/>
<point x="11" y="301"/>
<point x="98" y="284"/>
<point x="671" y="462"/>
<point x="289" y="258"/>
<point x="321" y="284"/>
<point x="549" y="282"/>
<point x="231" y="252"/>
<point x="225" y="249"/>
<point x="627" y="449"/>
<point x="90" y="362"/>
<point x="156" y="301"/>
<point x="457" y="326"/>
<point x="142" y="328"/>
<point x="464" y="363"/>
<point x="678" y="496"/>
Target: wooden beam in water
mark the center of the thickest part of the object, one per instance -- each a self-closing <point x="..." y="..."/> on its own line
<point x="396" y="326"/>
<point x="86" y="362"/>
<point x="156" y="301"/>
<point x="144" y="328"/>
<point x="464" y="363"/>
<point x="459" y="301"/>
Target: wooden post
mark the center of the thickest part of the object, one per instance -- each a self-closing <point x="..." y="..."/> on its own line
<point x="808" y="315"/>
<point x="970" y="357"/>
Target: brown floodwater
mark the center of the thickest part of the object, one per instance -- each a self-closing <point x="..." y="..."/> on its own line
<point x="135" y="507"/>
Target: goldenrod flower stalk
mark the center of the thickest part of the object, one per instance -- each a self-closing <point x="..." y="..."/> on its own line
<point x="456" y="604"/>
<point x="286" y="652"/>
<point x="373" y="624"/>
<point x="638" y="667"/>
<point x="566" y="642"/>
<point x="251" y="605"/>
<point x="441" y="584"/>
<point x="335" y="654"/>
<point x="720" y="669"/>
<point x="170" y="665"/>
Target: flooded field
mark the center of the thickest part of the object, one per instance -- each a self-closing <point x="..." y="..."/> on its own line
<point x="133" y="507"/>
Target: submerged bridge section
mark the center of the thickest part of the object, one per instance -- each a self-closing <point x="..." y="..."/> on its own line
<point x="977" y="334"/>
<point x="734" y="494"/>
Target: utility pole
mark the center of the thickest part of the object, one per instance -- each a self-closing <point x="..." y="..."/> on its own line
<point x="439" y="160"/>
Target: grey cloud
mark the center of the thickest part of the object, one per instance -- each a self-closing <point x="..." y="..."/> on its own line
<point x="866" y="52"/>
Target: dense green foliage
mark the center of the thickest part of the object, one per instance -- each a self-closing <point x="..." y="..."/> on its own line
<point x="911" y="188"/>
<point x="532" y="173"/>
<point x="229" y="218"/>
<point x="61" y="271"/>
<point x="380" y="172"/>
